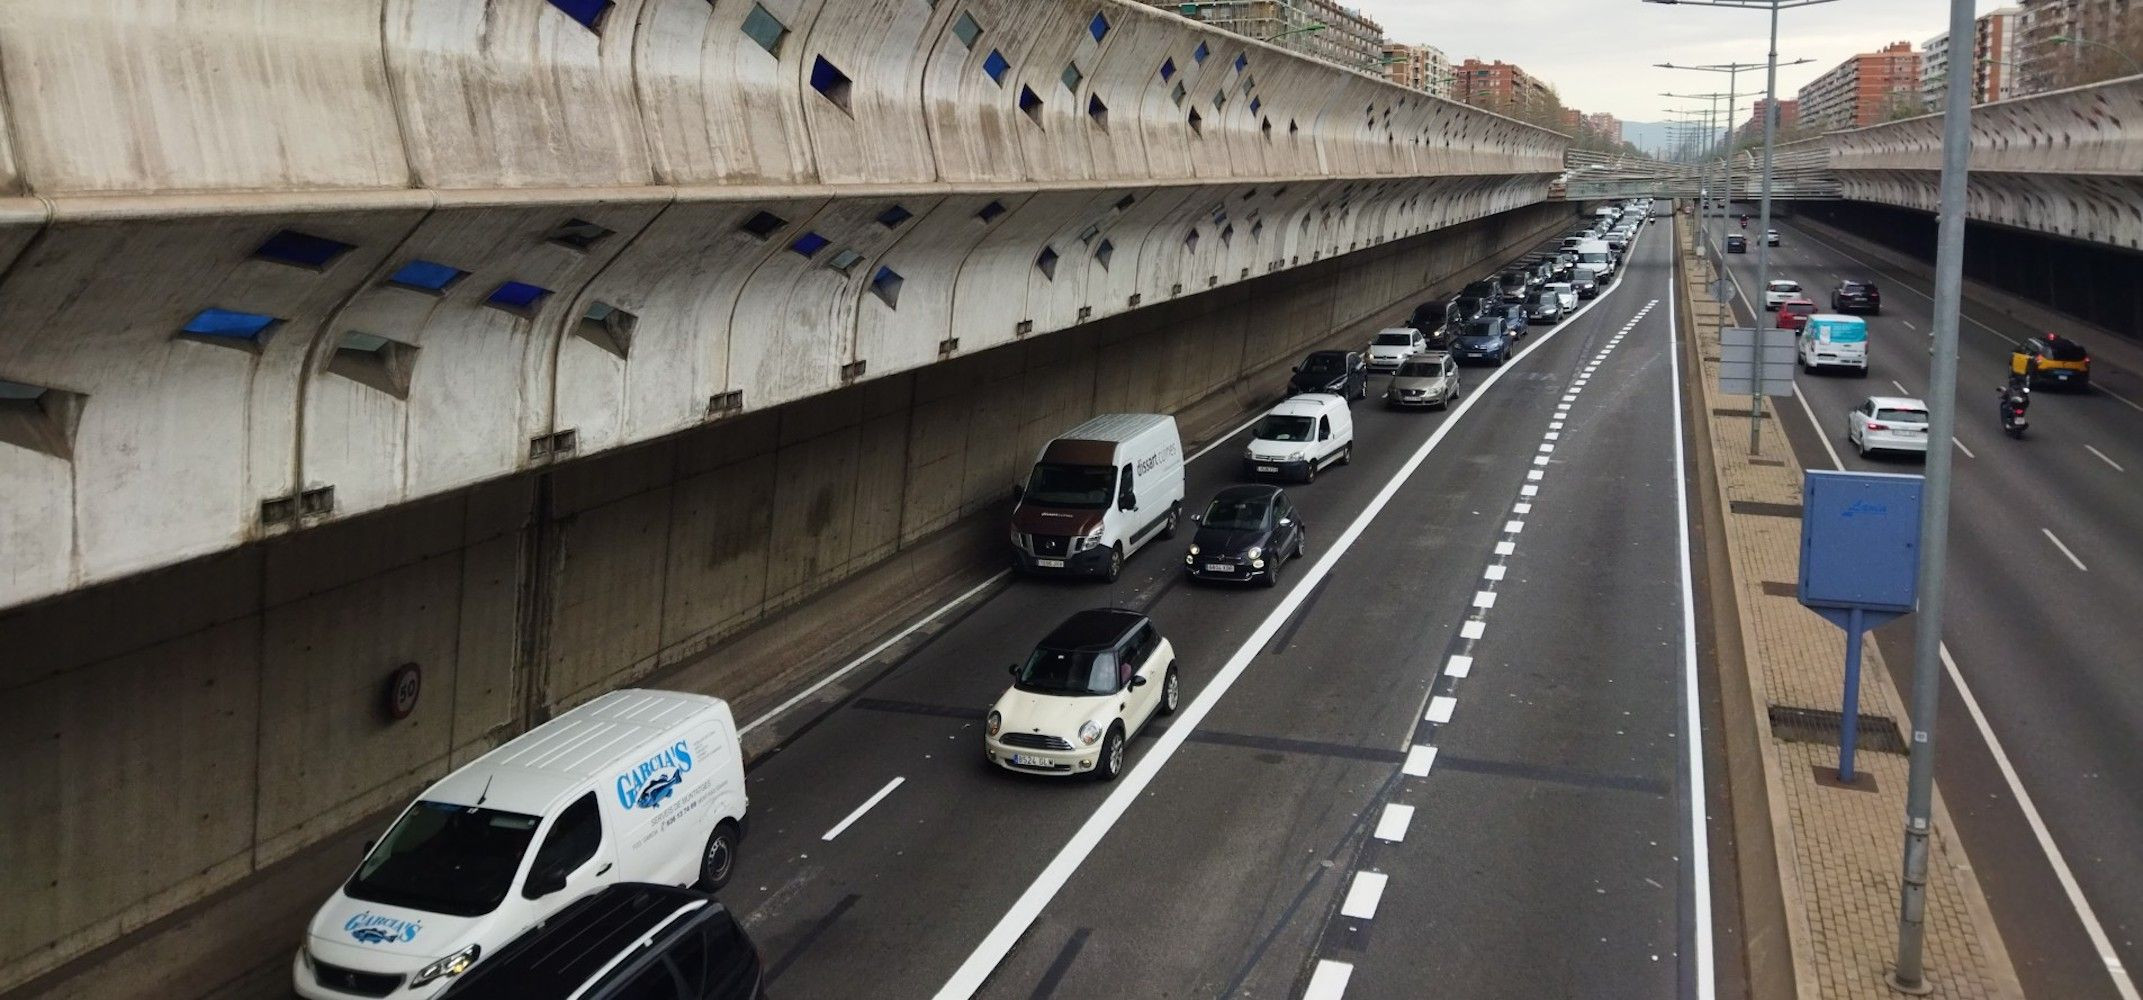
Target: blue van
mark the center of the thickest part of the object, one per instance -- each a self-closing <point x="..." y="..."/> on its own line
<point x="1830" y="340"/>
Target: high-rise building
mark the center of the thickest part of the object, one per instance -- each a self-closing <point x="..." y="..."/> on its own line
<point x="2046" y="64"/>
<point x="1934" y="70"/>
<point x="1604" y="125"/>
<point x="1994" y="60"/>
<point x="1572" y="120"/>
<point x="1321" y="28"/>
<point x="1421" y="67"/>
<point x="1789" y="116"/>
<point x="1500" y="87"/>
<point x="1866" y="89"/>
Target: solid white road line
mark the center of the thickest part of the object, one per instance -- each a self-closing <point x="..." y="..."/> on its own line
<point x="1818" y="425"/>
<point x="998" y="943"/>
<point x="2096" y="931"/>
<point x="864" y="808"/>
<point x="1419" y="759"/>
<point x="1692" y="723"/>
<point x="1440" y="709"/>
<point x="1329" y="982"/>
<point x="1363" y="895"/>
<point x="1391" y="826"/>
<point x="2102" y="457"/>
<point x="1962" y="448"/>
<point x="2064" y="550"/>
<point x="1473" y="629"/>
<point x="1459" y="666"/>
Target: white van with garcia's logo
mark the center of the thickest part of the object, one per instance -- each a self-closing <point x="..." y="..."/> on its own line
<point x="635" y="786"/>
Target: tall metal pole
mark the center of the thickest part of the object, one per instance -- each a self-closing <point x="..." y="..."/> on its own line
<point x="1763" y="211"/>
<point x="1910" y="974"/>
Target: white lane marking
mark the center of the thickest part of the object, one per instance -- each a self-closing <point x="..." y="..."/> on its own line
<point x="1494" y="572"/>
<point x="1484" y="599"/>
<point x="1818" y="426"/>
<point x="1692" y="723"/>
<point x="1473" y="629"/>
<point x="1459" y="666"/>
<point x="864" y="808"/>
<point x="2064" y="550"/>
<point x="1534" y="475"/>
<point x="1391" y="826"/>
<point x="1908" y="324"/>
<point x="1555" y="435"/>
<point x="1562" y="407"/>
<point x="2102" y="457"/>
<point x="1522" y="508"/>
<point x="1419" y="759"/>
<point x="1962" y="448"/>
<point x="1547" y="449"/>
<point x="2122" y="983"/>
<point x="1440" y="708"/>
<point x="1363" y="895"/>
<point x="1529" y="490"/>
<point x="998" y="943"/>
<point x="1568" y="398"/>
<point x="1513" y="527"/>
<point x="1540" y="460"/>
<point x="1902" y="391"/>
<point x="1555" y="426"/>
<point x="1329" y="982"/>
<point x="868" y="655"/>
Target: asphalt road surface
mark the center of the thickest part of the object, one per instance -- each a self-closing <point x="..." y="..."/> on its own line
<point x="1449" y="754"/>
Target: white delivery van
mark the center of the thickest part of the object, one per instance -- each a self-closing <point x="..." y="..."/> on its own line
<point x="1596" y="254"/>
<point x="1300" y="436"/>
<point x="635" y="786"/>
<point x="1830" y="340"/>
<point x="1099" y="493"/>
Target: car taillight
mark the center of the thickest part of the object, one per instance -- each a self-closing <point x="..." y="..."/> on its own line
<point x="1873" y="426"/>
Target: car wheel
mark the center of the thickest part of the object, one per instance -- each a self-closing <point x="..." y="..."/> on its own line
<point x="1309" y="471"/>
<point x="1302" y="544"/>
<point x="718" y="860"/>
<point x="1174" y="513"/>
<point x="1171" y="693"/>
<point x="1111" y="763"/>
<point x="1116" y="563"/>
<point x="1346" y="455"/>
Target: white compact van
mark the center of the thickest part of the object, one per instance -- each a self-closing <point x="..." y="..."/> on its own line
<point x="1300" y="436"/>
<point x="1596" y="254"/>
<point x="1099" y="493"/>
<point x="635" y="786"/>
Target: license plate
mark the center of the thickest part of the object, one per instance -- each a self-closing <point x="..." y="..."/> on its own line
<point x="1219" y="568"/>
<point x="1050" y="563"/>
<point x="2064" y="376"/>
<point x="1268" y="468"/>
<point x="1025" y="760"/>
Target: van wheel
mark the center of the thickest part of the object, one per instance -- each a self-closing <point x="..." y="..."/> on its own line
<point x="1116" y="563"/>
<point x="1171" y="693"/>
<point x="719" y="859"/>
<point x="1174" y="513"/>
<point x="1309" y="471"/>
<point x="1346" y="455"/>
<point x="1111" y="763"/>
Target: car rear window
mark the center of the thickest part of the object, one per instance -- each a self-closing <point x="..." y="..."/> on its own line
<point x="2066" y="350"/>
<point x="1395" y="339"/>
<point x="1901" y="416"/>
<point x="1785" y="286"/>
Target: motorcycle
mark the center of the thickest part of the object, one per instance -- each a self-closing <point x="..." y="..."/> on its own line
<point x="2015" y="399"/>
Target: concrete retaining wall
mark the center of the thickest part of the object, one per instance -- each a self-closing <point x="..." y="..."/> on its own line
<point x="172" y="732"/>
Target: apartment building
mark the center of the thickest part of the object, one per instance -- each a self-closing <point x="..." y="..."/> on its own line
<point x="1995" y="48"/>
<point x="1789" y="117"/>
<point x="1502" y="87"/>
<point x="1604" y="125"/>
<point x="1421" y="67"/>
<point x="1324" y="29"/>
<point x="2102" y="36"/>
<point x="1866" y="89"/>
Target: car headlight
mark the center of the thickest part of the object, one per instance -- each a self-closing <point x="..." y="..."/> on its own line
<point x="1254" y="553"/>
<point x="1088" y="540"/>
<point x="997" y="721"/>
<point x="1194" y="548"/>
<point x="1090" y="732"/>
<point x="448" y="967"/>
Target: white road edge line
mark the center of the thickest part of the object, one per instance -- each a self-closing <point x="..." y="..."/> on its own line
<point x="1962" y="448"/>
<point x="1707" y="987"/>
<point x="998" y="943"/>
<point x="864" y="808"/>
<point x="2122" y="983"/>
<point x="1392" y="824"/>
<point x="2064" y="549"/>
<point x="2102" y="457"/>
<point x="1363" y="895"/>
<point x="1329" y="982"/>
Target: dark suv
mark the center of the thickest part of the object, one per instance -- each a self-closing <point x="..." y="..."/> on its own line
<point x="1342" y="373"/>
<point x="628" y="941"/>
<point x="1857" y="296"/>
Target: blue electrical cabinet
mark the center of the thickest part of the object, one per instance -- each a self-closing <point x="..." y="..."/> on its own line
<point x="1860" y="541"/>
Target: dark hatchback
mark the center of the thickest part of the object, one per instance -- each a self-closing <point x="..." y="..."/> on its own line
<point x="1341" y="373"/>
<point x="1544" y="307"/>
<point x="1245" y="534"/>
<point x="1857" y="296"/>
<point x="1485" y="341"/>
<point x="628" y="941"/>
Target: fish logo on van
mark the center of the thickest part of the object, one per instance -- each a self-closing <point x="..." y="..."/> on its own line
<point x="378" y="928"/>
<point x="650" y="783"/>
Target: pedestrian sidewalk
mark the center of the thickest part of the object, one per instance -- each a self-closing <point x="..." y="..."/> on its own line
<point x="1839" y="848"/>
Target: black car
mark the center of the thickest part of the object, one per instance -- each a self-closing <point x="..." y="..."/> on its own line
<point x="1857" y="296"/>
<point x="627" y="941"/>
<point x="1486" y="288"/>
<point x="1467" y="307"/>
<point x="1342" y="373"/>
<point x="1245" y="534"/>
<point x="1584" y="285"/>
<point x="1737" y="243"/>
<point x="1429" y="317"/>
<point x="1545" y="308"/>
<point x="1484" y="340"/>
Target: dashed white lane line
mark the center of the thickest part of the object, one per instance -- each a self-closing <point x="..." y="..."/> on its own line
<point x="1901" y="390"/>
<point x="1329" y="982"/>
<point x="2064" y="550"/>
<point x="1419" y="759"/>
<point x="1908" y="324"/>
<point x="1535" y="475"/>
<point x="1363" y="895"/>
<point x="1474" y="629"/>
<point x="1555" y="435"/>
<point x="1440" y="709"/>
<point x="1459" y="666"/>
<point x="1547" y="449"/>
<point x="1540" y="460"/>
<point x="1513" y="527"/>
<point x="1521" y="508"/>
<point x="1529" y="490"/>
<point x="1392" y="824"/>
<point x="864" y="808"/>
<point x="1484" y="599"/>
<point x="2102" y="457"/>
<point x="1494" y="572"/>
<point x="1962" y="448"/>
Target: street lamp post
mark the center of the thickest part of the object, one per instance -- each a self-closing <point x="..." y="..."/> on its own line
<point x="1718" y="246"/>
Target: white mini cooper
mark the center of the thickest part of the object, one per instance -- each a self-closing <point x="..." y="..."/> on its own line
<point x="1088" y="688"/>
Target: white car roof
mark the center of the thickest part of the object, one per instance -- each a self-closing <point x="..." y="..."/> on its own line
<point x="1306" y="404"/>
<point x="1783" y="285"/>
<point x="1897" y="403"/>
<point x="1397" y="329"/>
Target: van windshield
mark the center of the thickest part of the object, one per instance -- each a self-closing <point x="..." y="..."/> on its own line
<point x="1083" y="486"/>
<point x="1594" y="257"/>
<point x="1275" y="427"/>
<point x="1076" y="672"/>
<point x="442" y="858"/>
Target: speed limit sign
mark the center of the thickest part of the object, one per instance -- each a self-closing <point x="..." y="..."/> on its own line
<point x="402" y="688"/>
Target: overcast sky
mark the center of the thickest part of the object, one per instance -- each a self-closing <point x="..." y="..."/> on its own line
<point x="1599" y="53"/>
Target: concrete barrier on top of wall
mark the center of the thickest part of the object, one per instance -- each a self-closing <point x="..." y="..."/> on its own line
<point x="480" y="236"/>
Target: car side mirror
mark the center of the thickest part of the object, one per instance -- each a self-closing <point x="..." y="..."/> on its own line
<point x="1013" y="670"/>
<point x="1019" y="492"/>
<point x="541" y="884"/>
<point x="1297" y="369"/>
<point x="1138" y="681"/>
<point x="1286" y="521"/>
<point x="1197" y="518"/>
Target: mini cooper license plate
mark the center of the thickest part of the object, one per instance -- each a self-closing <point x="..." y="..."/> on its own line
<point x="1025" y="760"/>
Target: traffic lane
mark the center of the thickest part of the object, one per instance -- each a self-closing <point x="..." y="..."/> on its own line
<point x="801" y="891"/>
<point x="1569" y="710"/>
<point x="1235" y="854"/>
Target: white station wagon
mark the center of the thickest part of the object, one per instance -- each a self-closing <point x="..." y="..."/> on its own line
<point x="1088" y="688"/>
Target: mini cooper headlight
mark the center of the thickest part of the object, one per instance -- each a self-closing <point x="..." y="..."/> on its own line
<point x="997" y="722"/>
<point x="1090" y="732"/>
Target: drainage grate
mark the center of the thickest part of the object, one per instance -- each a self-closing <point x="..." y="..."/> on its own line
<point x="1878" y="733"/>
<point x="1765" y="509"/>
